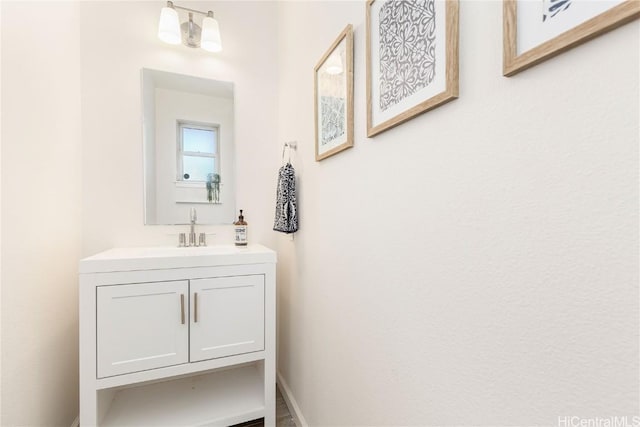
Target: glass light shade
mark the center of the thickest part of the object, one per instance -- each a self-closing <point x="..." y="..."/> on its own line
<point x="169" y="26"/>
<point x="334" y="64"/>
<point x="210" y="39"/>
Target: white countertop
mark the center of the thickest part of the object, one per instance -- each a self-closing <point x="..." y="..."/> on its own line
<point x="163" y="257"/>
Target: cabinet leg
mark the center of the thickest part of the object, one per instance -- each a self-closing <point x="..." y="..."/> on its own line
<point x="88" y="408"/>
<point x="269" y="393"/>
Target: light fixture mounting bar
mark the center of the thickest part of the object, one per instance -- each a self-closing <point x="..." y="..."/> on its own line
<point x="170" y="4"/>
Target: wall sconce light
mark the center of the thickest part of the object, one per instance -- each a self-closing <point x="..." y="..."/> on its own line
<point x="191" y="34"/>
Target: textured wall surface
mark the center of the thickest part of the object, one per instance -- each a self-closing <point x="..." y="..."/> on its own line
<point x="41" y="212"/>
<point x="0" y="215"/>
<point x="477" y="265"/>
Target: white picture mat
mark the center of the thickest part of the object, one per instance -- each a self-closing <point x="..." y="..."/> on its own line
<point x="439" y="83"/>
<point x="532" y="31"/>
<point x="340" y="49"/>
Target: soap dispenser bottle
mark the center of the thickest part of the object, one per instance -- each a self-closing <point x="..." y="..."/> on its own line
<point x="240" y="227"/>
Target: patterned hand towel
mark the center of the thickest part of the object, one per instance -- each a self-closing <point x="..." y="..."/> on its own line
<point x="286" y="219"/>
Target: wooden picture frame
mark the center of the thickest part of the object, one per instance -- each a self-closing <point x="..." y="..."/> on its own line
<point x="402" y="85"/>
<point x="619" y="13"/>
<point x="333" y="97"/>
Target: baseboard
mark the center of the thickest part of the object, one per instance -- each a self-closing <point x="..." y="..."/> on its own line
<point x="76" y="422"/>
<point x="296" y="413"/>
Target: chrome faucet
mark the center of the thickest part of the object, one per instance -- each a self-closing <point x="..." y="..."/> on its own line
<point x="182" y="238"/>
<point x="193" y="216"/>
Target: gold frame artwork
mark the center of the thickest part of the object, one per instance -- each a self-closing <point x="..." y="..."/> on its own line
<point x="451" y="84"/>
<point x="597" y="25"/>
<point x="324" y="81"/>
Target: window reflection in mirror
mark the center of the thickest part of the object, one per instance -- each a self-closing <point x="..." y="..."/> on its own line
<point x="189" y="155"/>
<point x="197" y="151"/>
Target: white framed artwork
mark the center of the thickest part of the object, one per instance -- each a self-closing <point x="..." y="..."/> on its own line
<point x="536" y="30"/>
<point x="333" y="95"/>
<point x="412" y="59"/>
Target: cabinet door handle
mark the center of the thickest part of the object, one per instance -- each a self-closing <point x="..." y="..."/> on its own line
<point x="182" y="308"/>
<point x="195" y="307"/>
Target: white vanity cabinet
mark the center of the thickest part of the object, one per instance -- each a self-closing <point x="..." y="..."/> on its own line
<point x="140" y="327"/>
<point x="177" y="336"/>
<point x="235" y="302"/>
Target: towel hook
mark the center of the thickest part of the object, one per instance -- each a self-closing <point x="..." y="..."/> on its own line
<point x="292" y="145"/>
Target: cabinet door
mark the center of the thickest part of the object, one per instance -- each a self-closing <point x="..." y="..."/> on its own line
<point x="142" y="326"/>
<point x="227" y="316"/>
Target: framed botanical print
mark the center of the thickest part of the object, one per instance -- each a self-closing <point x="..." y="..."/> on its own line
<point x="412" y="59"/>
<point x="536" y="30"/>
<point x="333" y="96"/>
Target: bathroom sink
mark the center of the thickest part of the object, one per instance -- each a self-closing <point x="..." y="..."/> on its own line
<point x="171" y="251"/>
<point x="161" y="257"/>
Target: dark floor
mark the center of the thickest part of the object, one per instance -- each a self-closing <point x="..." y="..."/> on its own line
<point x="283" y="416"/>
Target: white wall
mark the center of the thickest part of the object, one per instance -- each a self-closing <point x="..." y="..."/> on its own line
<point x="41" y="212"/>
<point x="119" y="38"/>
<point x="0" y="214"/>
<point x="477" y="265"/>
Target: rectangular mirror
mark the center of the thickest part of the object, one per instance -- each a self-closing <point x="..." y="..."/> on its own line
<point x="189" y="155"/>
